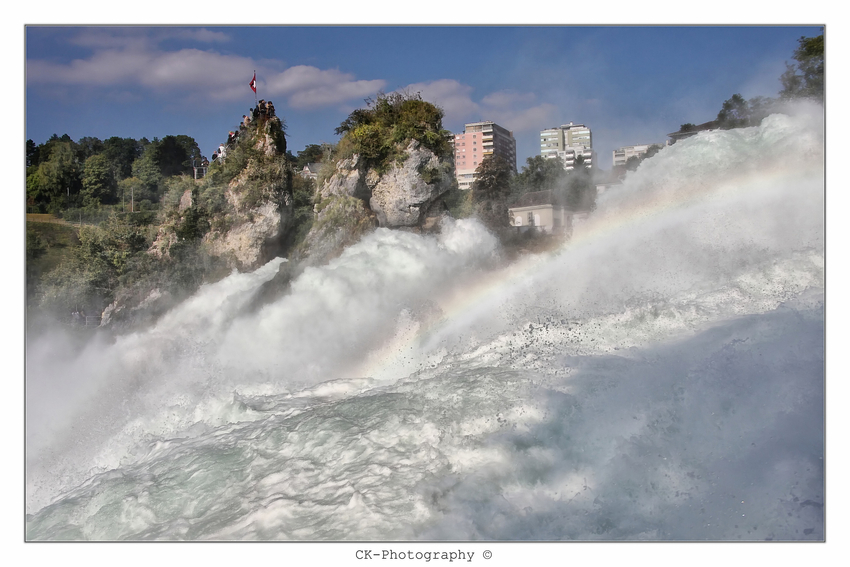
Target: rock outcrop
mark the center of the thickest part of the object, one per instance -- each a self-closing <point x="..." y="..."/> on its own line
<point x="251" y="243"/>
<point x="349" y="179"/>
<point x="403" y="196"/>
<point x="356" y="199"/>
<point x="406" y="194"/>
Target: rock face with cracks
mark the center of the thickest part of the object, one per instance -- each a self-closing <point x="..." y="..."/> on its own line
<point x="403" y="195"/>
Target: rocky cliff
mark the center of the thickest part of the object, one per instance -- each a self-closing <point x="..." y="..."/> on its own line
<point x="234" y="218"/>
<point x="355" y="198"/>
<point x="245" y="217"/>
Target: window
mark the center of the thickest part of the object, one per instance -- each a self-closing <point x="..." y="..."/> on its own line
<point x="530" y="219"/>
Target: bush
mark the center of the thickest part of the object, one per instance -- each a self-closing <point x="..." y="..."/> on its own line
<point x="381" y="132"/>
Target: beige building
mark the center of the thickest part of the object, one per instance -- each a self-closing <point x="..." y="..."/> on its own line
<point x="567" y="142"/>
<point x="479" y="140"/>
<point x="541" y="210"/>
<point x="622" y="155"/>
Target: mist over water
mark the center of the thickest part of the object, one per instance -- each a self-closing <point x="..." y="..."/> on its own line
<point x="661" y="376"/>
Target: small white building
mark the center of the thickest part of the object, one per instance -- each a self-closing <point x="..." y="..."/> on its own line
<point x="540" y="210"/>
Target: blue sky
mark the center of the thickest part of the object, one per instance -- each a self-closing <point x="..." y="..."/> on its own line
<point x="629" y="84"/>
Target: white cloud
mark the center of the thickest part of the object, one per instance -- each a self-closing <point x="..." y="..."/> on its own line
<point x="502" y="99"/>
<point x="525" y="119"/>
<point x="452" y="96"/>
<point x="129" y="37"/>
<point x="309" y="87"/>
<point x="127" y="60"/>
<point x="511" y="109"/>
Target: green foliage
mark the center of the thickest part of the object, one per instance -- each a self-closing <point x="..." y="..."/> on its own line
<point x="47" y="245"/>
<point x="92" y="181"/>
<point x="121" y="153"/>
<point x="490" y="192"/>
<point x="805" y="78"/>
<point x="85" y="215"/>
<point x="735" y="113"/>
<point x="146" y="170"/>
<point x="459" y="202"/>
<point x="55" y="183"/>
<point x="162" y="159"/>
<point x="380" y="133"/>
<point x="99" y="184"/>
<point x="538" y="174"/>
<point x="31" y="153"/>
<point x="89" y="276"/>
<point x="36" y="246"/>
<point x="303" y="192"/>
<point x="194" y="224"/>
<point x="87" y="147"/>
<point x="492" y="179"/>
<point x="266" y="179"/>
<point x="312" y="153"/>
<point x="132" y="191"/>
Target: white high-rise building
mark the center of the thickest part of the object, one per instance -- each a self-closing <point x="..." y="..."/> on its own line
<point x="567" y="142"/>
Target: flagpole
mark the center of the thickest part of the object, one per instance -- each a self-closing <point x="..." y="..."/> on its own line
<point x="255" y="89"/>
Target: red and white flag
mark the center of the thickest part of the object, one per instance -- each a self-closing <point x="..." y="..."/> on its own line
<point x="253" y="83"/>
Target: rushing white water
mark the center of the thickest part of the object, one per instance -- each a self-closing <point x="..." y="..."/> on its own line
<point x="660" y="377"/>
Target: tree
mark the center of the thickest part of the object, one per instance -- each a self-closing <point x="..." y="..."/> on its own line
<point x="632" y="163"/>
<point x="380" y="132"/>
<point x="31" y="153"/>
<point x="98" y="181"/>
<point x="490" y="190"/>
<point x="805" y="78"/>
<point x="492" y="179"/>
<point x="146" y="169"/>
<point x="56" y="181"/>
<point x="735" y="113"/>
<point x="164" y="158"/>
<point x="122" y="152"/>
<point x="173" y="155"/>
<point x="36" y="247"/>
<point x="87" y="147"/>
<point x="313" y="153"/>
<point x="132" y="191"/>
<point x="539" y="174"/>
<point x="91" y="274"/>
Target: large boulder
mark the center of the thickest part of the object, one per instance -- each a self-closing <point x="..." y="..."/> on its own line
<point x="349" y="179"/>
<point x="405" y="194"/>
<point x="249" y="244"/>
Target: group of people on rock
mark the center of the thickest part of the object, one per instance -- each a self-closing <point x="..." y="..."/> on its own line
<point x="263" y="111"/>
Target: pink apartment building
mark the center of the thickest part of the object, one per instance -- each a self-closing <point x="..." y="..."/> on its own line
<point x="478" y="140"/>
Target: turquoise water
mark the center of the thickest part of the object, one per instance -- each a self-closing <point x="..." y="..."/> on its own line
<point x="659" y="378"/>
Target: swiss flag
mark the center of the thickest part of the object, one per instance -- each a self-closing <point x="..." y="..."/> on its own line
<point x="253" y="83"/>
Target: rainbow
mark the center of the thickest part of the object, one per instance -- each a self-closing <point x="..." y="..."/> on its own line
<point x="622" y="213"/>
